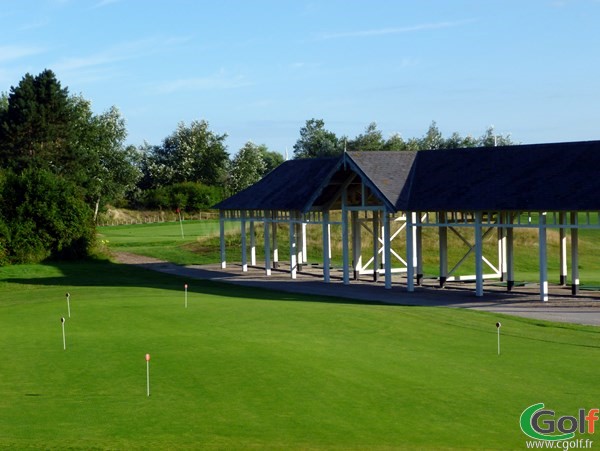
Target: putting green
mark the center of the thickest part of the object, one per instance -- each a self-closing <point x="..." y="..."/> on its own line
<point x="243" y="368"/>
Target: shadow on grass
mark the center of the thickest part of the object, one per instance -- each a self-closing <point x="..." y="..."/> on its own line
<point x="168" y="276"/>
<point x="164" y="276"/>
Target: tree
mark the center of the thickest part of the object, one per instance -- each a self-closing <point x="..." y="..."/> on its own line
<point x="491" y="139"/>
<point x="190" y="154"/>
<point x="52" y="142"/>
<point x="371" y="140"/>
<point x="247" y="167"/>
<point x="272" y="159"/>
<point x="433" y="139"/>
<point x="37" y="124"/>
<point x="315" y="141"/>
<point x="114" y="171"/>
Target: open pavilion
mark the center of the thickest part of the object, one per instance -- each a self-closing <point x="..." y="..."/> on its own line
<point x="396" y="195"/>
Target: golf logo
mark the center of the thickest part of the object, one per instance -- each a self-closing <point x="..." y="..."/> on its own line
<point x="541" y="424"/>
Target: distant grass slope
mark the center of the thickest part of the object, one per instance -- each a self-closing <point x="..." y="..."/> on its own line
<point x="242" y="368"/>
<point x="165" y="241"/>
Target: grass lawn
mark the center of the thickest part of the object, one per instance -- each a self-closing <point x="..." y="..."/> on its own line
<point x="242" y="368"/>
<point x="201" y="246"/>
<point x="164" y="240"/>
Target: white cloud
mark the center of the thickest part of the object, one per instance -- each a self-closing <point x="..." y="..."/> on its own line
<point x="218" y="81"/>
<point x="391" y="30"/>
<point x="13" y="52"/>
<point x="100" y="65"/>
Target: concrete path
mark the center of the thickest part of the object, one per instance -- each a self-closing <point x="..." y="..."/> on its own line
<point x="522" y="301"/>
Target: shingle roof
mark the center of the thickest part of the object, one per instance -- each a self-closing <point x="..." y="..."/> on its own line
<point x="542" y="177"/>
<point x="387" y="171"/>
<point x="288" y="187"/>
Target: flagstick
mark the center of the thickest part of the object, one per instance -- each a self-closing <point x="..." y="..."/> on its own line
<point x="186" y="286"/>
<point x="148" y="374"/>
<point x="62" y="322"/>
<point x="498" y="325"/>
<point x="69" y="304"/>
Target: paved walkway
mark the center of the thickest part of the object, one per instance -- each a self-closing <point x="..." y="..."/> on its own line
<point x="522" y="301"/>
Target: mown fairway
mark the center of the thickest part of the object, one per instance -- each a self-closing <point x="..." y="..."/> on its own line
<point x="165" y="241"/>
<point x="243" y="368"/>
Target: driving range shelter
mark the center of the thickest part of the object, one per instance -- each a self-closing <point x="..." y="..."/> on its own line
<point x="477" y="195"/>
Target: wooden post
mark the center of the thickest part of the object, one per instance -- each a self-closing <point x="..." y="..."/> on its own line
<point x="543" y="258"/>
<point x="299" y="244"/>
<point x="252" y="244"/>
<point x="275" y="246"/>
<point x="345" y="251"/>
<point x="267" y="246"/>
<point x="387" y="249"/>
<point x="222" y="238"/>
<point x="244" y="250"/>
<point x="478" y="254"/>
<point x="562" y="217"/>
<point x="443" y="238"/>
<point x="410" y="267"/>
<point x="510" y="257"/>
<point x="574" y="253"/>
<point x="304" y="244"/>
<point x="419" y="249"/>
<point x="376" y="261"/>
<point x="355" y="232"/>
<point x="326" y="247"/>
<point x="293" y="248"/>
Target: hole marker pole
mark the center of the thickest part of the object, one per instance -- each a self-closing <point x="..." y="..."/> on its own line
<point x="148" y="374"/>
<point x="498" y="325"/>
<point x="69" y="304"/>
<point x="186" y="287"/>
<point x="62" y="323"/>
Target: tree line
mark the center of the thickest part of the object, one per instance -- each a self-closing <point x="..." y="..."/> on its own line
<point x="61" y="165"/>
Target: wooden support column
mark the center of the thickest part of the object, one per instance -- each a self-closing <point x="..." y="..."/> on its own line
<point x="510" y="257"/>
<point x="410" y="251"/>
<point x="222" y="238"/>
<point x="355" y="231"/>
<point x="414" y="222"/>
<point x="345" y="243"/>
<point x="293" y="247"/>
<point x="299" y="245"/>
<point x="419" y="249"/>
<point x="252" y="244"/>
<point x="387" y="249"/>
<point x="574" y="253"/>
<point x="478" y="254"/>
<point x="503" y="218"/>
<point x="543" y="258"/>
<point x="304" y="244"/>
<point x="244" y="250"/>
<point x="275" y="245"/>
<point x="562" y="243"/>
<point x="326" y="247"/>
<point x="443" y="238"/>
<point x="375" y="245"/>
<point x="267" y="245"/>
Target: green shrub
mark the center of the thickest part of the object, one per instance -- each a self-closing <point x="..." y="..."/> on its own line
<point x="44" y="216"/>
<point x="189" y="196"/>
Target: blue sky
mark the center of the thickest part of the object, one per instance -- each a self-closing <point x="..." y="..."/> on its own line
<point x="257" y="70"/>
